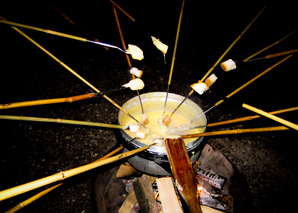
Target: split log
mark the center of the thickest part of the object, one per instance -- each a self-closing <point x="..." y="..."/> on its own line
<point x="145" y="195"/>
<point x="131" y="200"/>
<point x="183" y="173"/>
<point x="126" y="170"/>
<point x="168" y="196"/>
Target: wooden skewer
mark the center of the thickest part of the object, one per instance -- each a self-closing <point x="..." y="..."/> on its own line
<point x="32" y="199"/>
<point x="221" y="57"/>
<point x="77" y="75"/>
<point x="73" y="23"/>
<point x="62" y="121"/>
<point x="236" y="131"/>
<point x="47" y="101"/>
<point x="269" y="46"/>
<point x="39" y="195"/>
<point x="52" y="32"/>
<point x="251" y="117"/>
<point x="8" y="193"/>
<point x="273" y="55"/>
<point x="273" y="117"/>
<point x="173" y="57"/>
<point x="123" y="11"/>
<point x="243" y="86"/>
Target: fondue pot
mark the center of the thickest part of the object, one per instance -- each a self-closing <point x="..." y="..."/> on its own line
<point x="154" y="161"/>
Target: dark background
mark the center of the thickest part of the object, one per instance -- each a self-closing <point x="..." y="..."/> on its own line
<point x="33" y="150"/>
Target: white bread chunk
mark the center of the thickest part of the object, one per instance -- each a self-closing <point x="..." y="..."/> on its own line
<point x="135" y="84"/>
<point x="135" y="51"/>
<point x="228" y="65"/>
<point x="134" y="127"/>
<point x="210" y="80"/>
<point x="136" y="72"/>
<point x="199" y="87"/>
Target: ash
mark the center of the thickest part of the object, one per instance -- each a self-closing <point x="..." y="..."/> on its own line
<point x="30" y="151"/>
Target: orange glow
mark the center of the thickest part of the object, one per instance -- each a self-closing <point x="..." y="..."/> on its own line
<point x="200" y="188"/>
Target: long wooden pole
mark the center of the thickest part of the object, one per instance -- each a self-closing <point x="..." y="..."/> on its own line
<point x="61" y="121"/>
<point x="52" y="32"/>
<point x="32" y="199"/>
<point x="273" y="117"/>
<point x="8" y="193"/>
<point x="77" y="75"/>
<point x="247" y="118"/>
<point x="123" y="11"/>
<point x="236" y="131"/>
<point x="174" y="56"/>
<point x="269" y="46"/>
<point x="44" y="192"/>
<point x="274" y="55"/>
<point x="47" y="101"/>
<point x="73" y="23"/>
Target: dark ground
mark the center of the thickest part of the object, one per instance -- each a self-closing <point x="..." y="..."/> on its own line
<point x="31" y="151"/>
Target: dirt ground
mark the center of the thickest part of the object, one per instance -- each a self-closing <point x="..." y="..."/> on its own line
<point x="31" y="150"/>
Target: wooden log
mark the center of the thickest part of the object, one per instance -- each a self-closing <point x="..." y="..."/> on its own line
<point x="168" y="196"/>
<point x="131" y="200"/>
<point x="145" y="195"/>
<point x="183" y="173"/>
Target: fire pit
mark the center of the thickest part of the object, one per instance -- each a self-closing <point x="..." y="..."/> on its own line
<point x="232" y="197"/>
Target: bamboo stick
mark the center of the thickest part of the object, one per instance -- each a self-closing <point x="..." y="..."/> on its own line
<point x="52" y="32"/>
<point x="39" y="195"/>
<point x="236" y="131"/>
<point x="174" y="56"/>
<point x="110" y="154"/>
<point x="62" y="121"/>
<point x="73" y="23"/>
<point x="273" y="117"/>
<point x="235" y="41"/>
<point x="77" y="75"/>
<point x="32" y="199"/>
<point x="121" y="34"/>
<point x="281" y="54"/>
<point x="43" y="30"/>
<point x="8" y="193"/>
<point x="269" y="46"/>
<point x="47" y="101"/>
<point x="251" y="117"/>
<point x="123" y="11"/>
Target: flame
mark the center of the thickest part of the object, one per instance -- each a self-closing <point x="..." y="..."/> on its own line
<point x="200" y="188"/>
